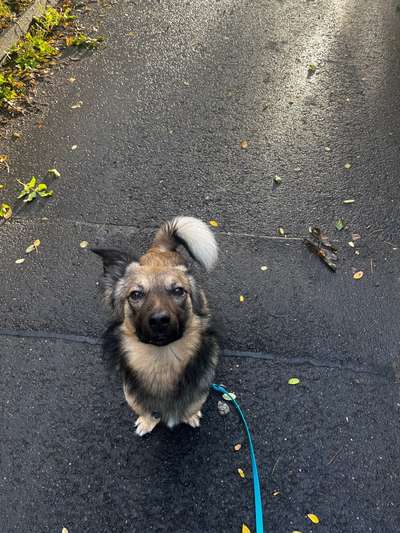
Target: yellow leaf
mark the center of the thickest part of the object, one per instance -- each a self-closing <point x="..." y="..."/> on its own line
<point x="228" y="397"/>
<point x="64" y="530"/>
<point x="245" y="529"/>
<point x="237" y="447"/>
<point x="348" y="166"/>
<point x="358" y="275"/>
<point x="83" y="244"/>
<point x="296" y="531"/>
<point x="3" y="158"/>
<point x="241" y="298"/>
<point x="281" y="232"/>
<point x="293" y="381"/>
<point x="244" y="145"/>
<point x="241" y="473"/>
<point x="33" y="246"/>
<point x="276" y="493"/>
<point x="214" y="223"/>
<point x="71" y="80"/>
<point x="19" y="261"/>
<point x="54" y="171"/>
<point x="313" y="517"/>
<point x="74" y="147"/>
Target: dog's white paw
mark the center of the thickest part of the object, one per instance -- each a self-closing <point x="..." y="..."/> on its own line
<point x="145" y="424"/>
<point x="193" y="420"/>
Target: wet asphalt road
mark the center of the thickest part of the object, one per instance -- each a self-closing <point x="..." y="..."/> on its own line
<point x="165" y="104"/>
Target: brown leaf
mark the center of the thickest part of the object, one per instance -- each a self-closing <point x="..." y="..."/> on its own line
<point x="320" y="245"/>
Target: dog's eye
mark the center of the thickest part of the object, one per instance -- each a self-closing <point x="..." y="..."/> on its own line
<point x="136" y="295"/>
<point x="178" y="291"/>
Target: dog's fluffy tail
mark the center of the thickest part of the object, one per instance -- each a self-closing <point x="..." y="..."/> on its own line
<point x="194" y="235"/>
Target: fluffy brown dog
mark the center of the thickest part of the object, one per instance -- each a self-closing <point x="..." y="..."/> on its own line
<point x="161" y="338"/>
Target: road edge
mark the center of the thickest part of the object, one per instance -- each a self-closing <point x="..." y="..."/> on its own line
<point x="20" y="26"/>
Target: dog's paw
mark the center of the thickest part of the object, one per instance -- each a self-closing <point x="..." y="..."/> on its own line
<point x="193" y="420"/>
<point x="145" y="424"/>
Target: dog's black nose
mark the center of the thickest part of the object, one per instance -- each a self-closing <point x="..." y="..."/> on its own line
<point x="159" y="321"/>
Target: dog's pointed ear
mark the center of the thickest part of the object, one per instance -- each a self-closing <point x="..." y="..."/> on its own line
<point x="115" y="263"/>
<point x="113" y="260"/>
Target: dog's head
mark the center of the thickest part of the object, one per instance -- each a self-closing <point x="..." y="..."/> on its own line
<point x="156" y="294"/>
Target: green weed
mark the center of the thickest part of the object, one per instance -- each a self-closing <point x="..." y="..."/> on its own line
<point x="32" y="189"/>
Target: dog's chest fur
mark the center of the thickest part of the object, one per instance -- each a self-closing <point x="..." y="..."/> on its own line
<point x="160" y="368"/>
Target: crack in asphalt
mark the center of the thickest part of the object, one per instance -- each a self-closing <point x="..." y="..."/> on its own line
<point x="386" y="375"/>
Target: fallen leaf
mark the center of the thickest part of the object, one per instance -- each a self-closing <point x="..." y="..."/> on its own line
<point x="3" y="158"/>
<point x="281" y="232"/>
<point x="229" y="396"/>
<point x="74" y="147"/>
<point x="19" y="261"/>
<point x="1" y="186"/>
<point x="131" y="34"/>
<point x="347" y="165"/>
<point x="297" y="169"/>
<point x="83" y="244"/>
<point x="241" y="298"/>
<point x="339" y="224"/>
<point x="313" y="517"/>
<point x="320" y="246"/>
<point x="241" y="473"/>
<point x="293" y="381"/>
<point x="223" y="408"/>
<point x="276" y="493"/>
<point x="327" y="149"/>
<point x="278" y="180"/>
<point x="54" y="171"/>
<point x="64" y="530"/>
<point x="351" y="244"/>
<point x="77" y="105"/>
<point x="71" y="80"/>
<point x="16" y="135"/>
<point x="311" y="68"/>
<point x="33" y="246"/>
<point x="296" y="531"/>
<point x="5" y="211"/>
<point x="349" y="201"/>
<point x="358" y="275"/>
<point x="237" y="447"/>
<point x="264" y="268"/>
<point x="213" y="223"/>
<point x="245" y="529"/>
<point x="244" y="145"/>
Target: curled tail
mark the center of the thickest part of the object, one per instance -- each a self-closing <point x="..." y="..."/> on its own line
<point x="193" y="234"/>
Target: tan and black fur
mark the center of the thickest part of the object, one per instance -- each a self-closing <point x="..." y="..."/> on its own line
<point x="160" y="337"/>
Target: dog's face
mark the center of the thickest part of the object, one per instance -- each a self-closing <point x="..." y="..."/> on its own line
<point x="157" y="298"/>
<point x="157" y="301"/>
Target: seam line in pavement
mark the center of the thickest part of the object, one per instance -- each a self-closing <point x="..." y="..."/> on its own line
<point x="138" y="229"/>
<point x="295" y="361"/>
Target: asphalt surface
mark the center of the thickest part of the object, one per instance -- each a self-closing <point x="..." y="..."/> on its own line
<point x="165" y="103"/>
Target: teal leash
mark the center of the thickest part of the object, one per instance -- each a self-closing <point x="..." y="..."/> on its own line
<point x="256" y="481"/>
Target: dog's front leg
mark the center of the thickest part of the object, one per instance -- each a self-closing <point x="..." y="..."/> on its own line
<point x="145" y="422"/>
<point x="193" y="414"/>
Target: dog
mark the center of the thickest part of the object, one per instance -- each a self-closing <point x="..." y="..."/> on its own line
<point x="160" y="337"/>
